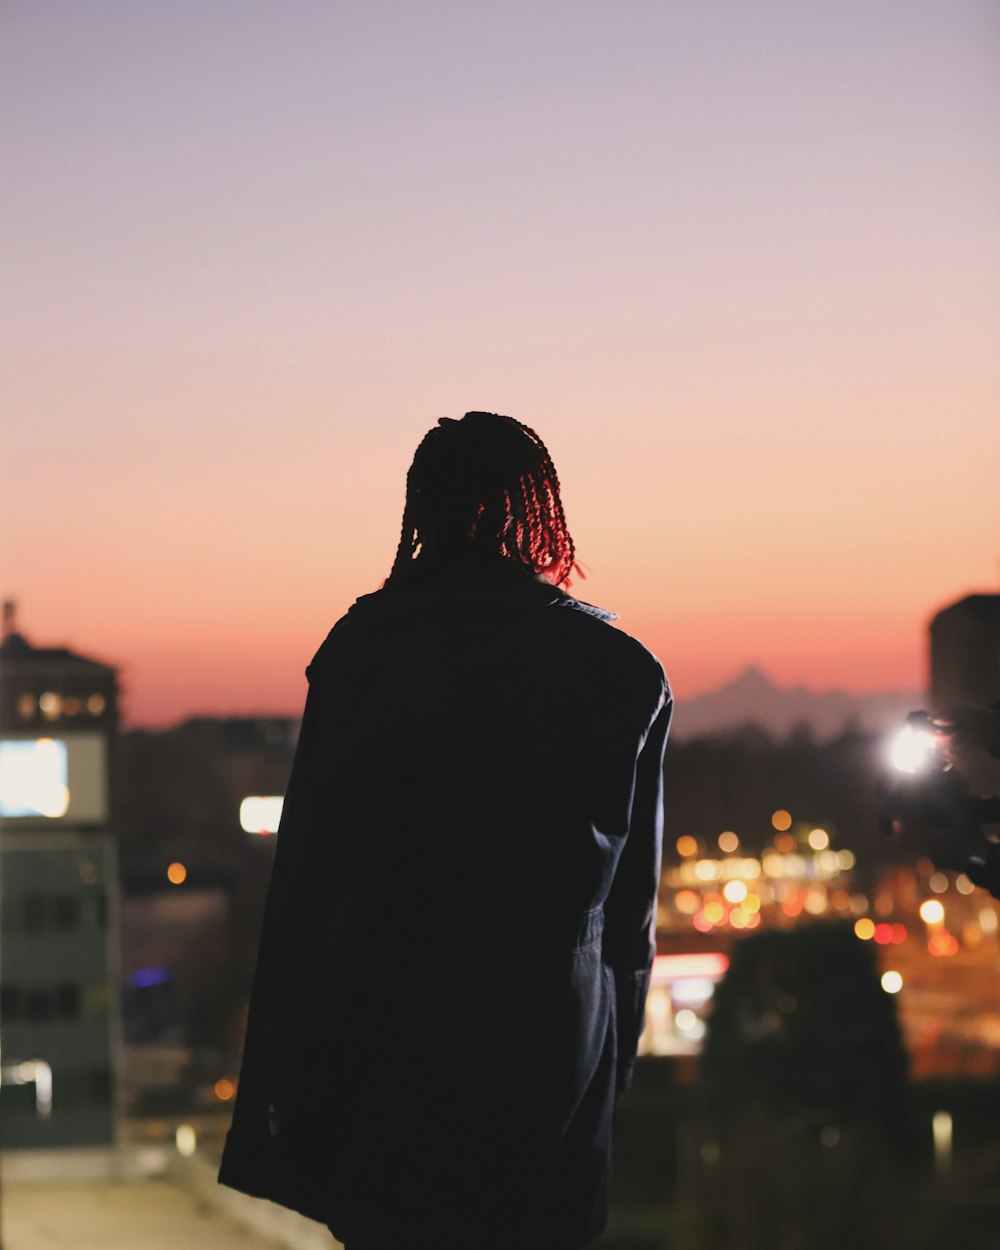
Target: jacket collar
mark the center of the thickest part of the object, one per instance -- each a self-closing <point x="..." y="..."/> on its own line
<point x="493" y="582"/>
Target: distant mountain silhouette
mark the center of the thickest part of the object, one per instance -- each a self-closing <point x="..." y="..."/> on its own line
<point x="753" y="698"/>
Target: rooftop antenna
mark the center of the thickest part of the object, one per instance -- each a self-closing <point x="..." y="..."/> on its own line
<point x="9" y="618"/>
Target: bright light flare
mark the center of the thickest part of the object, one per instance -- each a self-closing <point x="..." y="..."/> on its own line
<point x="261" y="813"/>
<point x="932" y="911"/>
<point x="892" y="981"/>
<point x="33" y="778"/>
<point x="911" y="749"/>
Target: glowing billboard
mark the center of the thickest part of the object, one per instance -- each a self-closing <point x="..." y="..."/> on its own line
<point x="61" y="779"/>
<point x="261" y="813"/>
<point x="34" y="778"/>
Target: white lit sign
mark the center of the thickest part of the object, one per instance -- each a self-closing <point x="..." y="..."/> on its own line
<point x="34" y="778"/>
<point x="710" y="966"/>
<point x="261" y="813"/>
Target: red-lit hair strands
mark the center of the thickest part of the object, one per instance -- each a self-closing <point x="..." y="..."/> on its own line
<point x="485" y="482"/>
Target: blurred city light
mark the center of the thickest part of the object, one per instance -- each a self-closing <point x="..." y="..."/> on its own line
<point x="34" y="778"/>
<point x="781" y="820"/>
<point x="186" y="1140"/>
<point x="224" y="1089"/>
<point x="50" y="705"/>
<point x="673" y="967"/>
<point x="943" y="943"/>
<point x="932" y="911"/>
<point x="941" y="1130"/>
<point x="176" y="873"/>
<point x="35" y="1072"/>
<point x="910" y="749"/>
<point x="892" y="981"/>
<point x="938" y="882"/>
<point x="864" y="929"/>
<point x="819" y="839"/>
<point x="815" y="901"/>
<point x="687" y="901"/>
<point x="261" y="813"/>
<point x="728" y="842"/>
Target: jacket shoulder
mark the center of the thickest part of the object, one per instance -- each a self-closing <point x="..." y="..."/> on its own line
<point x="623" y="652"/>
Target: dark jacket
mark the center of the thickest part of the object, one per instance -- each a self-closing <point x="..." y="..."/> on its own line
<point x="459" y="930"/>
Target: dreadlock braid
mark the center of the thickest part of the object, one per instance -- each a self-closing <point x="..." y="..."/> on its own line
<point x="486" y="483"/>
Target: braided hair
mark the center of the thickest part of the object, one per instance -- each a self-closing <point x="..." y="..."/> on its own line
<point x="485" y="484"/>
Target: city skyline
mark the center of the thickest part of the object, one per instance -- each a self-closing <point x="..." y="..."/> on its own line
<point x="738" y="269"/>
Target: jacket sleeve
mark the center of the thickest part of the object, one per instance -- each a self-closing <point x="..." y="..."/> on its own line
<point x="630" y="910"/>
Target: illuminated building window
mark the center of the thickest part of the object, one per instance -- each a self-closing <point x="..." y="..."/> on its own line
<point x="50" y="705"/>
<point x="26" y="706"/>
<point x="96" y="704"/>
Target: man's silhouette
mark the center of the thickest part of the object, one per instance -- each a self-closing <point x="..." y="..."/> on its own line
<point x="459" y="929"/>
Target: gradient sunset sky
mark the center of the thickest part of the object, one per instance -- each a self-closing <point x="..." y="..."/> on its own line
<point x="738" y="263"/>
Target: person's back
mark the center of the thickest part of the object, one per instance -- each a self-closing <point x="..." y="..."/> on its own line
<point x="459" y="928"/>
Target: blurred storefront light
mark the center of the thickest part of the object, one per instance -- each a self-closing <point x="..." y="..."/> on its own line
<point x="261" y="813"/>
